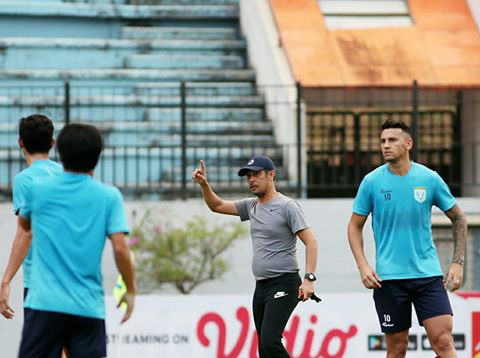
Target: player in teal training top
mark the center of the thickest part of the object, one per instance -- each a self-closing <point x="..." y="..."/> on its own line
<point x="400" y="196"/>
<point x="70" y="216"/>
<point x="35" y="140"/>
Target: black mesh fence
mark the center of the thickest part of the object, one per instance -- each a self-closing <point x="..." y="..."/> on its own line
<point x="156" y="133"/>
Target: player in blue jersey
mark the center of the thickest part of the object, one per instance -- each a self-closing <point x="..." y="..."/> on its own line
<point x="35" y="140"/>
<point x="400" y="196"/>
<point x="70" y="217"/>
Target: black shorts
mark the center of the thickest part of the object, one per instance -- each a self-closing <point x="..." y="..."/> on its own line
<point x="394" y="302"/>
<point x="46" y="333"/>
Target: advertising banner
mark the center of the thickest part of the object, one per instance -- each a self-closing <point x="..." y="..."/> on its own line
<point x="221" y="326"/>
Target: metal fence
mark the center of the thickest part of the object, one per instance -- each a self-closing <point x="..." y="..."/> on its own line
<point x="155" y="134"/>
<point x="343" y="130"/>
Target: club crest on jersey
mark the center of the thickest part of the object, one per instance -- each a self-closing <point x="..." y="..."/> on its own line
<point x="420" y="193"/>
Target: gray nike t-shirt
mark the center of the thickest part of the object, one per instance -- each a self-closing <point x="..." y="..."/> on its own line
<point x="273" y="226"/>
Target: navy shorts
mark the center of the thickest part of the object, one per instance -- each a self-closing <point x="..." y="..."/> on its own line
<point x="46" y="333"/>
<point x="394" y="302"/>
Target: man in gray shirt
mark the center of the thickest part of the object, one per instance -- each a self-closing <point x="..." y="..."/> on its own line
<point x="275" y="223"/>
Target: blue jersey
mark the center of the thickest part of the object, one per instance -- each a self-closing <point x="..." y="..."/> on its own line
<point x="401" y="208"/>
<point x="71" y="216"/>
<point x="21" y="185"/>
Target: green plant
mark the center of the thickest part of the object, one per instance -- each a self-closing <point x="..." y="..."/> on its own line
<point x="185" y="255"/>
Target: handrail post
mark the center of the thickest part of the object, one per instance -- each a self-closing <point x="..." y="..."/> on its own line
<point x="415" y="120"/>
<point x="183" y="109"/>
<point x="299" y="140"/>
<point x="66" y="103"/>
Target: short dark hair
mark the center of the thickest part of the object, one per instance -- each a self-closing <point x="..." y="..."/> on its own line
<point x="36" y="133"/>
<point x="79" y="146"/>
<point x="395" y="123"/>
<point x="268" y="171"/>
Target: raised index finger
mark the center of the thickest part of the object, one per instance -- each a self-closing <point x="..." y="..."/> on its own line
<point x="202" y="165"/>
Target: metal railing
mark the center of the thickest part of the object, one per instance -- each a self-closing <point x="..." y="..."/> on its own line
<point x="155" y="134"/>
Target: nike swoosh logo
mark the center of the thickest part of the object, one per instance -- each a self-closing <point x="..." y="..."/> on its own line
<point x="280" y="294"/>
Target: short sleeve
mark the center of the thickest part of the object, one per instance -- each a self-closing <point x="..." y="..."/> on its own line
<point x="21" y="185"/>
<point x="295" y="217"/>
<point x="363" y="205"/>
<point x="117" y="220"/>
<point x="243" y="208"/>
<point x="443" y="199"/>
<point x="25" y="206"/>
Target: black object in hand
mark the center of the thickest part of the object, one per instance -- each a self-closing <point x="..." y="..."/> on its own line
<point x="313" y="297"/>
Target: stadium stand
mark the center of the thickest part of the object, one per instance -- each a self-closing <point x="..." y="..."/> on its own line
<point x="357" y="72"/>
<point x="365" y="13"/>
<point x="121" y="67"/>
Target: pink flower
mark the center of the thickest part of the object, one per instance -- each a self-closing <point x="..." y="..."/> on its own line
<point x="157" y="229"/>
<point x="133" y="240"/>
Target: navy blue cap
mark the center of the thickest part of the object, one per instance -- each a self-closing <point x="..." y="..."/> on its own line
<point x="257" y="163"/>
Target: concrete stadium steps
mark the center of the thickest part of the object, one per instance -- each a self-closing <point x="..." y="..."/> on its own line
<point x="144" y="167"/>
<point x="146" y="2"/>
<point x="200" y="134"/>
<point x="120" y="139"/>
<point x="138" y="172"/>
<point x="152" y="168"/>
<point x="245" y="115"/>
<point x="167" y="126"/>
<point x="196" y="89"/>
<point x="125" y="65"/>
<point x="184" y="61"/>
<point x="114" y="100"/>
<point x="119" y="11"/>
<point x="64" y="53"/>
<point x="179" y="33"/>
<point x="179" y="2"/>
<point x="111" y="76"/>
<point x="194" y="127"/>
<point x="145" y="45"/>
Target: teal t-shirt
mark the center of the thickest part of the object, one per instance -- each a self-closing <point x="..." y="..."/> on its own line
<point x="71" y="216"/>
<point x="21" y="185"/>
<point x="401" y="208"/>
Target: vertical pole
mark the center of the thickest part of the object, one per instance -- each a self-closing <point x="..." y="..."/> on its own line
<point x="66" y="104"/>
<point x="456" y="170"/>
<point x="299" y="140"/>
<point x="357" y="153"/>
<point x="183" y="109"/>
<point x="415" y="120"/>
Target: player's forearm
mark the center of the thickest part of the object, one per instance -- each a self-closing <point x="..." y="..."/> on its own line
<point x="355" y="240"/>
<point x="20" y="246"/>
<point x="459" y="230"/>
<point x="125" y="267"/>
<point x="311" y="254"/>
<point x="211" y="199"/>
